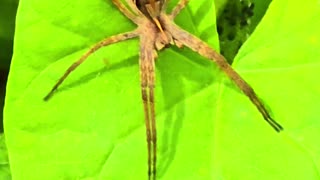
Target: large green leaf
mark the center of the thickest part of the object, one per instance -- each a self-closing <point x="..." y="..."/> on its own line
<point x="93" y="126"/>
<point x="281" y="60"/>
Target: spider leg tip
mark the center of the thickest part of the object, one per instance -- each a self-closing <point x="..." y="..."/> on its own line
<point x="279" y="128"/>
<point x="275" y="125"/>
<point x="47" y="97"/>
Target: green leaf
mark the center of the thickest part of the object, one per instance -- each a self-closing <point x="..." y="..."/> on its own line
<point x="281" y="60"/>
<point x="5" y="173"/>
<point x="93" y="126"/>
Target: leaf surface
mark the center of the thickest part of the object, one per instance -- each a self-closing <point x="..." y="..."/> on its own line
<point x="281" y="60"/>
<point x="93" y="126"/>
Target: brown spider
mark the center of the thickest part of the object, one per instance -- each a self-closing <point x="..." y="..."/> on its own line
<point x="157" y="30"/>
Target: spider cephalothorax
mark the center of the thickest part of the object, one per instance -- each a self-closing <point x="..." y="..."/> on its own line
<point x="156" y="30"/>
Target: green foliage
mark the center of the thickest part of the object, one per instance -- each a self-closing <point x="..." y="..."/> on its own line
<point x="236" y="21"/>
<point x="233" y="26"/>
<point x="93" y="126"/>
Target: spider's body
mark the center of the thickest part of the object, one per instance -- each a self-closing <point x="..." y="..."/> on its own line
<point x="157" y="30"/>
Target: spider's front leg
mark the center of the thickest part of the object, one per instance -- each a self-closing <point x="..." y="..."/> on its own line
<point x="105" y="42"/>
<point x="147" y="78"/>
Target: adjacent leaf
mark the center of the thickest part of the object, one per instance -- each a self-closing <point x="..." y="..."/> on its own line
<point x="93" y="127"/>
<point x="281" y="60"/>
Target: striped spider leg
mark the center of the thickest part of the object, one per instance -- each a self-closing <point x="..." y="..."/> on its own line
<point x="156" y="30"/>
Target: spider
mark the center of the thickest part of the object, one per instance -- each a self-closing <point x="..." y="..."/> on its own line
<point x="157" y="30"/>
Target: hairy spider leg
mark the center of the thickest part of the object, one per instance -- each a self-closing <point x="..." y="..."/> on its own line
<point x="181" y="5"/>
<point x="204" y="50"/>
<point x="147" y="57"/>
<point x="147" y="76"/>
<point x="147" y="79"/>
<point x="105" y="42"/>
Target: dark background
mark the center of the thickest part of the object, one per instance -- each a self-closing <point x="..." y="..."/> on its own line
<point x="8" y="10"/>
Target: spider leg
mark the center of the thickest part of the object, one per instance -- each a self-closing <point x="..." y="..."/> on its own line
<point x="145" y="100"/>
<point x="126" y="11"/>
<point x="181" y="4"/>
<point x="153" y="117"/>
<point x="105" y="42"/>
<point x="204" y="50"/>
<point x="147" y="76"/>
